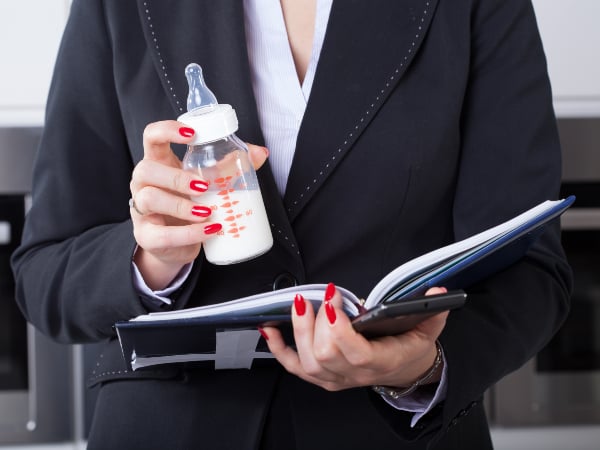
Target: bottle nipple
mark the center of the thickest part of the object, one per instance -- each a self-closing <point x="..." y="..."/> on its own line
<point x="200" y="98"/>
<point x="210" y="119"/>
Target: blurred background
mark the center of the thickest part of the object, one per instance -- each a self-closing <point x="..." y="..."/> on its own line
<point x="553" y="402"/>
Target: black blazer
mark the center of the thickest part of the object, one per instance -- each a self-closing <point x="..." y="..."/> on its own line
<point x="428" y="121"/>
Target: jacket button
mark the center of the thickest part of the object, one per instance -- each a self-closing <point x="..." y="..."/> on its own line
<point x="284" y="280"/>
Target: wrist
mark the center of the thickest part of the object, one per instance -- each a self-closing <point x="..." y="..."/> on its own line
<point x="156" y="273"/>
<point x="432" y="375"/>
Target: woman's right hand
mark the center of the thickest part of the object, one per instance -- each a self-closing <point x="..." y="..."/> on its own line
<point x="168" y="226"/>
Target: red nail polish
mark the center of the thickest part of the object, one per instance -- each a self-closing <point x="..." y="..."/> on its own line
<point x="186" y="131"/>
<point x="330" y="312"/>
<point x="213" y="228"/>
<point x="330" y="291"/>
<point x="201" y="211"/>
<point x="299" y="304"/>
<point x="263" y="333"/>
<point x="199" y="185"/>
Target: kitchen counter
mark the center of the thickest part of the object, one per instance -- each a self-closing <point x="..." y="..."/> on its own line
<point x="546" y="438"/>
<point x="59" y="446"/>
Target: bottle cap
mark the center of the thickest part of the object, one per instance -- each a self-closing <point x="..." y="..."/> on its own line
<point x="210" y="120"/>
<point x="211" y="126"/>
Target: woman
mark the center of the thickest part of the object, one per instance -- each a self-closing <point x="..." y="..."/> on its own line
<point x="411" y="124"/>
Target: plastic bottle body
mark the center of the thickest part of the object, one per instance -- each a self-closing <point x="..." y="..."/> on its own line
<point x="235" y="200"/>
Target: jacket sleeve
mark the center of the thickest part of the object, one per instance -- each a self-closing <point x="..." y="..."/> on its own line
<point x="510" y="161"/>
<point x="73" y="268"/>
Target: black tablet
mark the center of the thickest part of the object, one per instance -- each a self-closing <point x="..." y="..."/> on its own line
<point x="388" y="319"/>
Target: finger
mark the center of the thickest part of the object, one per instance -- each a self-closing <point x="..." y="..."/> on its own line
<point x="341" y="349"/>
<point x="286" y="355"/>
<point x="158" y="137"/>
<point x="153" y="173"/>
<point x="303" y="321"/>
<point x="290" y="360"/>
<point x="258" y="155"/>
<point x="432" y="327"/>
<point x="152" y="200"/>
<point x="436" y="290"/>
<point x="153" y="237"/>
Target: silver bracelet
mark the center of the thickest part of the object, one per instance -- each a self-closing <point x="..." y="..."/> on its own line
<point x="396" y="393"/>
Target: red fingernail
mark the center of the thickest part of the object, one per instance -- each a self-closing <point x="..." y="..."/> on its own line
<point x="330" y="312"/>
<point x="299" y="304"/>
<point x="263" y="333"/>
<point x="199" y="185"/>
<point x="213" y="228"/>
<point x="330" y="291"/>
<point x="201" y="211"/>
<point x="186" y="131"/>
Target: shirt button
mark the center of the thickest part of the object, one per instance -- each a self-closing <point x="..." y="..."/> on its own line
<point x="284" y="280"/>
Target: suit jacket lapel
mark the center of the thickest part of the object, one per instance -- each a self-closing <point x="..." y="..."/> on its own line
<point x="356" y="73"/>
<point x="212" y="35"/>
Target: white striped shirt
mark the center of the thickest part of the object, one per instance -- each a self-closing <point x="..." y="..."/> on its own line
<point x="280" y="98"/>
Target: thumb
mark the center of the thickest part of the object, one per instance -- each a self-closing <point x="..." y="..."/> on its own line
<point x="158" y="137"/>
<point x="258" y="155"/>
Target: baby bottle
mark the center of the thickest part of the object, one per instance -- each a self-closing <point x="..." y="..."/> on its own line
<point x="221" y="159"/>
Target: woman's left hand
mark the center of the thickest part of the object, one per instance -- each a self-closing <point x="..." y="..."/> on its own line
<point x="331" y="354"/>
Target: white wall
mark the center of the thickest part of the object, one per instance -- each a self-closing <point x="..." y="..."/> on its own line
<point x="30" y="32"/>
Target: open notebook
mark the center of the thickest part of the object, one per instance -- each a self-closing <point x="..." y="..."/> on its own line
<point x="226" y="332"/>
